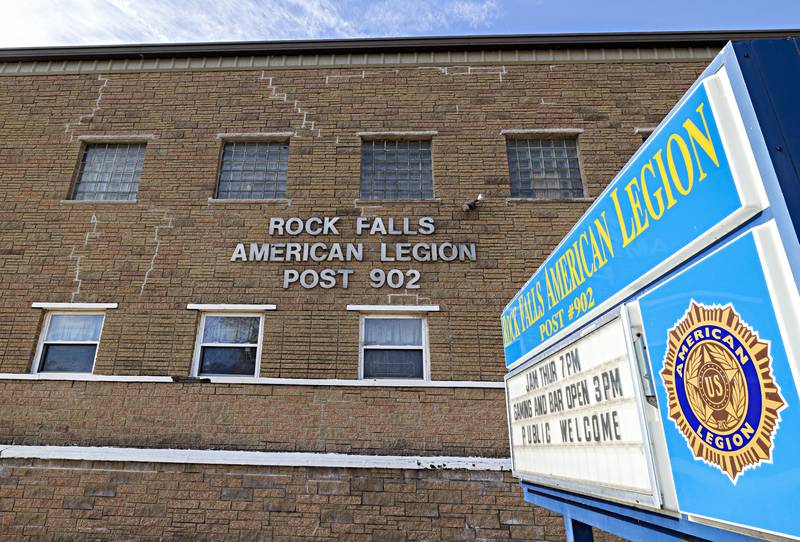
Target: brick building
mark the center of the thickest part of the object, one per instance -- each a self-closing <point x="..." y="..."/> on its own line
<point x="250" y="290"/>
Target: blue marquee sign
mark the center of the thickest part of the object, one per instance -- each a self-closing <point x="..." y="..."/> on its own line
<point x="697" y="242"/>
<point x="680" y="188"/>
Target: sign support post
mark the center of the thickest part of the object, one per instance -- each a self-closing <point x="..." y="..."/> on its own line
<point x="577" y="531"/>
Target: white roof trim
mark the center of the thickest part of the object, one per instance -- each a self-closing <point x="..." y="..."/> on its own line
<point x="323" y="382"/>
<point x="267" y="459"/>
<point x="73" y="306"/>
<point x="393" y="308"/>
<point x="229" y="307"/>
<point x="489" y="62"/>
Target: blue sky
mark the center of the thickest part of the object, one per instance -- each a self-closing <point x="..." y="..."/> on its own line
<point x="81" y="22"/>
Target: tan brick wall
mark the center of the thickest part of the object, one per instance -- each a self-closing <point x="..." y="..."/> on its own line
<point x="70" y="500"/>
<point x="172" y="247"/>
<point x="53" y="250"/>
<point x="392" y="421"/>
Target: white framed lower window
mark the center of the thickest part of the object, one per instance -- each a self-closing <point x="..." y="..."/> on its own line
<point x="393" y="346"/>
<point x="228" y="344"/>
<point x="69" y="342"/>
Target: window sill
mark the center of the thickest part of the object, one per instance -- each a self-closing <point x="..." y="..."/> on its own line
<point x="100" y="201"/>
<point x="395" y="201"/>
<point x="52" y="306"/>
<point x="66" y="375"/>
<point x="82" y="377"/>
<point x="360" y="382"/>
<point x="259" y="380"/>
<point x="284" y="201"/>
<point x="231" y="307"/>
<point x="393" y="308"/>
<point x="546" y="200"/>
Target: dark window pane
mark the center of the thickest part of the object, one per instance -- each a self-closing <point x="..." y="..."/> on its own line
<point x="544" y="168"/>
<point x="393" y="363"/>
<point x="110" y="172"/>
<point x="231" y="329"/>
<point x="68" y="358"/>
<point x="393" y="331"/>
<point x="231" y="360"/>
<point x="396" y="169"/>
<point x="253" y="170"/>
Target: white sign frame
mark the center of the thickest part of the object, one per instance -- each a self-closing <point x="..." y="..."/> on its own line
<point x="652" y="499"/>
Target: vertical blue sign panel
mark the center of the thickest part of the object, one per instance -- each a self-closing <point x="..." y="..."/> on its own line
<point x="726" y="393"/>
<point x="675" y="190"/>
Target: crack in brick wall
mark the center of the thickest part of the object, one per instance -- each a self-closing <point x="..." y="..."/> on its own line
<point x="92" y="233"/>
<point x="69" y="128"/>
<point x="500" y="71"/>
<point x="361" y="75"/>
<point x="77" y="278"/>
<point x="168" y="225"/>
<point x="415" y="299"/>
<point x="305" y="124"/>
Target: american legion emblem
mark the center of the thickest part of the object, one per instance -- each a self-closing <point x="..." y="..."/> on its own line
<point x="720" y="390"/>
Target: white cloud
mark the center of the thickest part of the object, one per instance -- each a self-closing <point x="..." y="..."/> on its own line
<point x="476" y="14"/>
<point x="388" y="17"/>
<point x="80" y="22"/>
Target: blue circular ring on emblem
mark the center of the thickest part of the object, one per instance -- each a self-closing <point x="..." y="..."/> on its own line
<point x="718" y="388"/>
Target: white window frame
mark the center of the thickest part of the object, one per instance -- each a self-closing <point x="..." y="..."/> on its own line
<point x="426" y="372"/>
<point x="198" y="343"/>
<point x="37" y="359"/>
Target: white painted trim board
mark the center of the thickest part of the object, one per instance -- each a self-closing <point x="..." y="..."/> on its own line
<point x="267" y="459"/>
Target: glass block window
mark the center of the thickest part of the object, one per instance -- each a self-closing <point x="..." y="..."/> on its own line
<point x="69" y="343"/>
<point x="396" y="170"/>
<point x="393" y="347"/>
<point x="110" y="172"/>
<point x="229" y="345"/>
<point x="253" y="170"/>
<point x="544" y="168"/>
